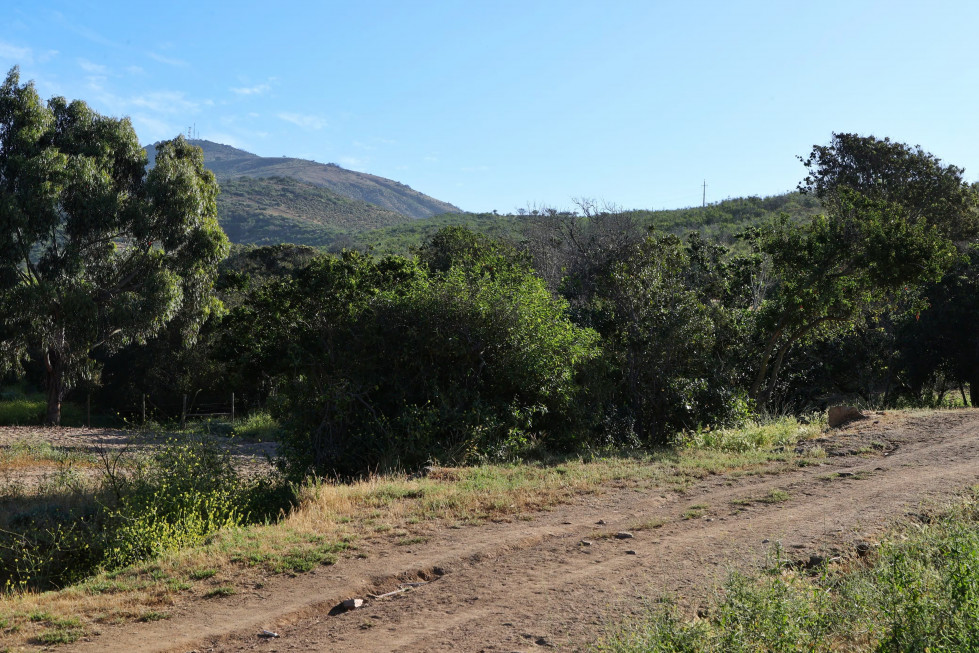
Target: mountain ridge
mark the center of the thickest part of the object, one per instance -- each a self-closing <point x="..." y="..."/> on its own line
<point x="228" y="163"/>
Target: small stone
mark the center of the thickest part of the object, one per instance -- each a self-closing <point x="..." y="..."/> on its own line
<point x="624" y="535"/>
<point x="845" y="474"/>
<point x="268" y="633"/>
<point x="601" y="522"/>
<point x="765" y="541"/>
<point x="353" y="604"/>
<point x="630" y="552"/>
<point x="585" y="543"/>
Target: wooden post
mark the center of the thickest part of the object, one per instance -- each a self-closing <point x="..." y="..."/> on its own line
<point x="232" y="408"/>
<point x="183" y="414"/>
<point x="144" y="409"/>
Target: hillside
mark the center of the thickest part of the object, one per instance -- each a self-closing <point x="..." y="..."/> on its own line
<point x="272" y="210"/>
<point x="229" y="163"/>
<point x="720" y="221"/>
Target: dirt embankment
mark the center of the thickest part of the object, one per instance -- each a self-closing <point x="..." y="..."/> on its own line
<point x="553" y="581"/>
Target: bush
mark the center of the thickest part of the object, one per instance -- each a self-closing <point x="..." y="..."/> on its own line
<point x="178" y="497"/>
<point x="471" y="361"/>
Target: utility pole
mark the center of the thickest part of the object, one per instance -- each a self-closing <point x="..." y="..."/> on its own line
<point x="704" y="200"/>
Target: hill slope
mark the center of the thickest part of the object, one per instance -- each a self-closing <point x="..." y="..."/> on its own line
<point x="229" y="163"/>
<point x="272" y="210"/>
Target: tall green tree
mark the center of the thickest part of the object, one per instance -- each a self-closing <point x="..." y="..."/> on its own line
<point x="893" y="217"/>
<point x="94" y="251"/>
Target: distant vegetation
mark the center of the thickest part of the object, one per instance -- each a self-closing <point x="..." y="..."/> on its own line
<point x="274" y="210"/>
<point x="720" y="221"/>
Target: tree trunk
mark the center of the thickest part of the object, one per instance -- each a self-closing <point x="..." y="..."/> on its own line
<point x="974" y="389"/>
<point x="56" y="386"/>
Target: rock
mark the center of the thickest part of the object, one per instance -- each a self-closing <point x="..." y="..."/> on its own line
<point x="845" y="474"/>
<point x="630" y="552"/>
<point x="353" y="604"/>
<point x="268" y="633"/>
<point x="585" y="543"/>
<point x="624" y="535"/>
<point x="840" y="415"/>
<point x="600" y="522"/>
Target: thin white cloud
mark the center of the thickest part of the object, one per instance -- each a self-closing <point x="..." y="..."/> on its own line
<point x="151" y="130"/>
<point x="170" y="61"/>
<point x="259" y="89"/>
<point x="96" y="82"/>
<point x="431" y="159"/>
<point x="135" y="70"/>
<point x="352" y="162"/>
<point x="303" y="120"/>
<point x="225" y="139"/>
<point x="164" y="102"/>
<point x="90" y="67"/>
<point x="12" y="52"/>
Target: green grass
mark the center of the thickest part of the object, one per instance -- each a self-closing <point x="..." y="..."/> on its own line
<point x="218" y="592"/>
<point x="30" y="410"/>
<point x="782" y="432"/>
<point x="919" y="593"/>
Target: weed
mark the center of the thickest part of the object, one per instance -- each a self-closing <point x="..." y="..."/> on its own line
<point x="202" y="574"/>
<point x="695" y="512"/>
<point x="775" y="496"/>
<point x="921" y="593"/>
<point x="224" y="590"/>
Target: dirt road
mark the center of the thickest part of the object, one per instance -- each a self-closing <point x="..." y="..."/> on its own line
<point x="535" y="584"/>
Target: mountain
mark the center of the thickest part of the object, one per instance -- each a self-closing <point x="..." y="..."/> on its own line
<point x="273" y="210"/>
<point x="228" y="163"/>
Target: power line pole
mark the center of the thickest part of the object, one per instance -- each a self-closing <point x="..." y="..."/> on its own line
<point x="704" y="200"/>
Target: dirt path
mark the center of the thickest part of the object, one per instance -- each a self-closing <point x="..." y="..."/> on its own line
<point x="534" y="585"/>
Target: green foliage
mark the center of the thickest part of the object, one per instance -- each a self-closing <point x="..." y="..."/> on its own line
<point x="668" y="340"/>
<point x="919" y="594"/>
<point x="179" y="496"/>
<point x="390" y="365"/>
<point x="95" y="252"/>
<point x="189" y="491"/>
<point x="859" y="259"/>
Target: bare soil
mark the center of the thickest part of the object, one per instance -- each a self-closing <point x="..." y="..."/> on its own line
<point x="556" y="579"/>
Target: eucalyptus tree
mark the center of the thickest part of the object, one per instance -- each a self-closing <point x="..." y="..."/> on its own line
<point x="94" y="251"/>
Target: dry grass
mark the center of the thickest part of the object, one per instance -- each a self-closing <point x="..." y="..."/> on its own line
<point x="335" y="519"/>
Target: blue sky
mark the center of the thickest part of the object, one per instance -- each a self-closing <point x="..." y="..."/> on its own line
<point x="501" y="105"/>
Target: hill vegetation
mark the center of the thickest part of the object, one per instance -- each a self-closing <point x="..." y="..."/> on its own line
<point x="719" y="222"/>
<point x="273" y="210"/>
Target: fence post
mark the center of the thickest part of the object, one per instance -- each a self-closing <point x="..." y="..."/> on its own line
<point x="232" y="408"/>
<point x="183" y="414"/>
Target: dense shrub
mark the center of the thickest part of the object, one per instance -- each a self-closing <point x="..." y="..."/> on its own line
<point x="472" y="360"/>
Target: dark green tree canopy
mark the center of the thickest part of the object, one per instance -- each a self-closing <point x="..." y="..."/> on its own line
<point x="881" y="169"/>
<point x="95" y="252"/>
